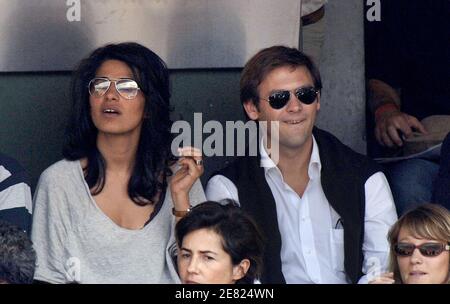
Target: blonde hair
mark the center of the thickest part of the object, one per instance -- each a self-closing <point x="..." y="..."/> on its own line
<point x="428" y="221"/>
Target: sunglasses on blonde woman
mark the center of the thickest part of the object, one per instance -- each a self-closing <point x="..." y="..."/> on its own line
<point x="426" y="249"/>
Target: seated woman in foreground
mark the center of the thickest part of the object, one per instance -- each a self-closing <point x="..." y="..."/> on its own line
<point x="420" y="244"/>
<point x="218" y="244"/>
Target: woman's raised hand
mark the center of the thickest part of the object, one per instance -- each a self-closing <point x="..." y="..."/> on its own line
<point x="191" y="168"/>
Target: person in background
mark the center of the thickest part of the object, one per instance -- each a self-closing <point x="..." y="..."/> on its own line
<point x="218" y="244"/>
<point x="407" y="55"/>
<point x="420" y="244"/>
<point x="106" y="212"/>
<point x="441" y="192"/>
<point x="17" y="256"/>
<point x="15" y="194"/>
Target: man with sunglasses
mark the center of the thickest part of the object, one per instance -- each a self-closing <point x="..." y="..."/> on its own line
<point x="325" y="210"/>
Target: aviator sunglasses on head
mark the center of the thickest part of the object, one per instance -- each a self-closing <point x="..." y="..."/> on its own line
<point x="280" y="98"/>
<point x="426" y="249"/>
<point x="127" y="88"/>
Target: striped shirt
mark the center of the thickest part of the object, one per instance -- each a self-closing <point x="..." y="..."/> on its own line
<point x="15" y="194"/>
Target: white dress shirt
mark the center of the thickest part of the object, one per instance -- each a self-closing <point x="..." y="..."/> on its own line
<point x="312" y="237"/>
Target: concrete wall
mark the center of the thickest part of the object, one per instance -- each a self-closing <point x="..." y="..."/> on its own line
<point x="342" y="69"/>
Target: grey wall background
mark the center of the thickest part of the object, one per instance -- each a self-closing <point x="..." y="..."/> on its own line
<point x="342" y="69"/>
<point x="34" y="106"/>
<point x="42" y="35"/>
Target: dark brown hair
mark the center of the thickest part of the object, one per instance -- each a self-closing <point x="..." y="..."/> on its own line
<point x="241" y="237"/>
<point x="269" y="59"/>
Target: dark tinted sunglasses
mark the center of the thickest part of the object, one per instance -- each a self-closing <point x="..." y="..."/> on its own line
<point x="279" y="99"/>
<point x="426" y="249"/>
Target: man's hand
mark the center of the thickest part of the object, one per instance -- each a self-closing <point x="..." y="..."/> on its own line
<point x="394" y="126"/>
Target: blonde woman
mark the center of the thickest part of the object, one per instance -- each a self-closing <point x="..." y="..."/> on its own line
<point x="420" y="244"/>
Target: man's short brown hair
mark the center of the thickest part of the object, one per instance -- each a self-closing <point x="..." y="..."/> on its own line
<point x="269" y="59"/>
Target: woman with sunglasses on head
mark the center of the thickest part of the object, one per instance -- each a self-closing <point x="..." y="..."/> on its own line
<point x="103" y="214"/>
<point x="420" y="244"/>
<point x="218" y="244"/>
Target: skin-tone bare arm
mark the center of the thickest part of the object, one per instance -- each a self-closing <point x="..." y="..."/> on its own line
<point x="391" y="125"/>
<point x="183" y="180"/>
<point x="381" y="93"/>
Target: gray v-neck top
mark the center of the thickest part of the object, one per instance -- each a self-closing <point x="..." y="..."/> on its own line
<point x="75" y="241"/>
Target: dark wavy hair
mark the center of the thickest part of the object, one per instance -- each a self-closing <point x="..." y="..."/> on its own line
<point x="153" y="157"/>
<point x="17" y="256"/>
<point x="241" y="237"/>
